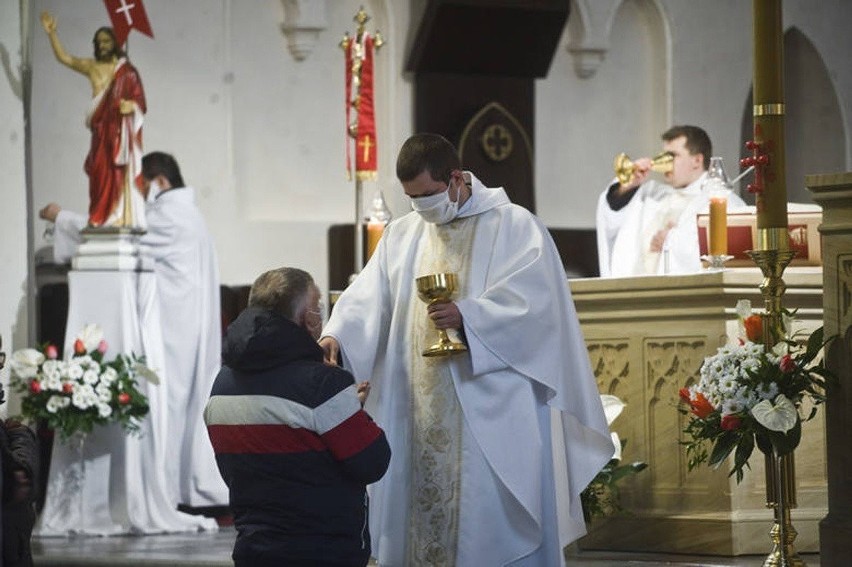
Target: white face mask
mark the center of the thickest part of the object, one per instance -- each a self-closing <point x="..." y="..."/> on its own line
<point x="154" y="189"/>
<point x="438" y="208"/>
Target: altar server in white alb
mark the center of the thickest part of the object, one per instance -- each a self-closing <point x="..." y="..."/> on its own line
<point x="647" y="227"/>
<point x="478" y="476"/>
<point x="187" y="278"/>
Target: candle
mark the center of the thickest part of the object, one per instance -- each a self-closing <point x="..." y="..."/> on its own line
<point x="768" y="109"/>
<point x="718" y="225"/>
<point x="374" y="233"/>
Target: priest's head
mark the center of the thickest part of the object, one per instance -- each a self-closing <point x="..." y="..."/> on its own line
<point x="291" y="293"/>
<point x="430" y="170"/>
<point x="691" y="148"/>
<point x="106" y="47"/>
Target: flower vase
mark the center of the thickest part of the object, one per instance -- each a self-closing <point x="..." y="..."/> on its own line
<point x="781" y="497"/>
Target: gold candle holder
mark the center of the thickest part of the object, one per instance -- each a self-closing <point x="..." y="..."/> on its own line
<point x="772" y="258"/>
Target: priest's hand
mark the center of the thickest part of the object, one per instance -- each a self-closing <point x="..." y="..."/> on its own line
<point x="641" y="171"/>
<point x="49" y="212"/>
<point x="445" y="315"/>
<point x="331" y="349"/>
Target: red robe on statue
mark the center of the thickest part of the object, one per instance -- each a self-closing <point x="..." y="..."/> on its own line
<point x="116" y="143"/>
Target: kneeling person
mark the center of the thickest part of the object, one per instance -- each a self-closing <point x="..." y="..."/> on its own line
<point x="291" y="439"/>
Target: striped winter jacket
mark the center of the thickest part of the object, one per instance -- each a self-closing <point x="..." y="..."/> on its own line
<point x="294" y="447"/>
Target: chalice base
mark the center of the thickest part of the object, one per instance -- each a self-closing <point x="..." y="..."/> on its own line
<point x="444" y="349"/>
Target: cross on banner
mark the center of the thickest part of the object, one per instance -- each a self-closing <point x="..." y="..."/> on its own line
<point x="366" y="144"/>
<point x="126" y="15"/>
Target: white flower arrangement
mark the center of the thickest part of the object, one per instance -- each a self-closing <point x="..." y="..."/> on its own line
<point x="75" y="394"/>
<point x="748" y="395"/>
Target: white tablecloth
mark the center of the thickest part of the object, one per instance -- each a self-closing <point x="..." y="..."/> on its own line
<point x="119" y="484"/>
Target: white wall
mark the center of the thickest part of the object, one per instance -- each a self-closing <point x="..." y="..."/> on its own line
<point x="261" y="135"/>
<point x="15" y="300"/>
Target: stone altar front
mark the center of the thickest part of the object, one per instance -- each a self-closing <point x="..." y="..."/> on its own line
<point x="647" y="338"/>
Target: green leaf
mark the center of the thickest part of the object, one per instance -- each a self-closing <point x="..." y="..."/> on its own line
<point x="723" y="447"/>
<point x="815" y="344"/>
<point x="744" y="450"/>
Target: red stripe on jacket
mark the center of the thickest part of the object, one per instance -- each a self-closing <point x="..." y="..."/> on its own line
<point x="352" y="436"/>
<point x="264" y="438"/>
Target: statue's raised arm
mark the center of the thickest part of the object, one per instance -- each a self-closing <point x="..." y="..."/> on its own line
<point x="48" y="22"/>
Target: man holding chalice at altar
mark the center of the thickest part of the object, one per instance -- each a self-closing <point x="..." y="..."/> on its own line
<point x="477" y="473"/>
<point x="645" y="227"/>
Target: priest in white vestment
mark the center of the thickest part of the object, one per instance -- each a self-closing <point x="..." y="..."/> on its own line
<point x="187" y="280"/>
<point x="648" y="228"/>
<point x="491" y="447"/>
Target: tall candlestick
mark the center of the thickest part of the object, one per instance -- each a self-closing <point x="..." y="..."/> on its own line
<point x="771" y="202"/>
<point x="718" y="225"/>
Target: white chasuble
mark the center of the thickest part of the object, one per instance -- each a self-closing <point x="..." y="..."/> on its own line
<point x="436" y="439"/>
<point x="491" y="447"/>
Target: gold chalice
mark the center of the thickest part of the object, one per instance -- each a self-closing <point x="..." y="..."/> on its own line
<point x="439" y="288"/>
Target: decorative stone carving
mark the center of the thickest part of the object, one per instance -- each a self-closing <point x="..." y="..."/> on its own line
<point x="588" y="29"/>
<point x="303" y="22"/>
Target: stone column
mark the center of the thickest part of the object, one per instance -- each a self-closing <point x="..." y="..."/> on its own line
<point x="834" y="193"/>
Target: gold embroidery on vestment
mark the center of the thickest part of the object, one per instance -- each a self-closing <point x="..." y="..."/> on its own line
<point x="436" y="438"/>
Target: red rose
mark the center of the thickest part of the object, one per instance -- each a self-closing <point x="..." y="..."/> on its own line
<point x="754" y="328"/>
<point x="684" y="395"/>
<point x="67" y="387"/>
<point x="79" y="347"/>
<point x="124" y="398"/>
<point x="51" y="352"/>
<point x="730" y="422"/>
<point x="701" y="406"/>
<point x="787" y="364"/>
<point x="102" y="347"/>
<point x="35" y="386"/>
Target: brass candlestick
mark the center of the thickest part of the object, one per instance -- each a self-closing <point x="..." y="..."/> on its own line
<point x="439" y="288"/>
<point x="772" y="259"/>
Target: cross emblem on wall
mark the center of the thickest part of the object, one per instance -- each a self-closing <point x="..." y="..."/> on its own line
<point x="497" y="142"/>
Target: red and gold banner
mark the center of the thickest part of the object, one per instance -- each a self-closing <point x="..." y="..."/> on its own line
<point x="359" y="57"/>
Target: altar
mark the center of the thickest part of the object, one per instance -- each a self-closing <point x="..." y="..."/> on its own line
<point x="647" y="338"/>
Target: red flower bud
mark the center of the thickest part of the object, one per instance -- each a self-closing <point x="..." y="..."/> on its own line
<point x="67" y="387"/>
<point x="35" y="386"/>
<point x="787" y="364"/>
<point x="51" y="352"/>
<point x="754" y="328"/>
<point x="730" y="422"/>
<point x="684" y="395"/>
<point x="102" y="347"/>
<point x="124" y="398"/>
<point x="79" y="347"/>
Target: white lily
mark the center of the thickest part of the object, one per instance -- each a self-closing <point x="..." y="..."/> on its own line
<point x="25" y="362"/>
<point x="91" y="335"/>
